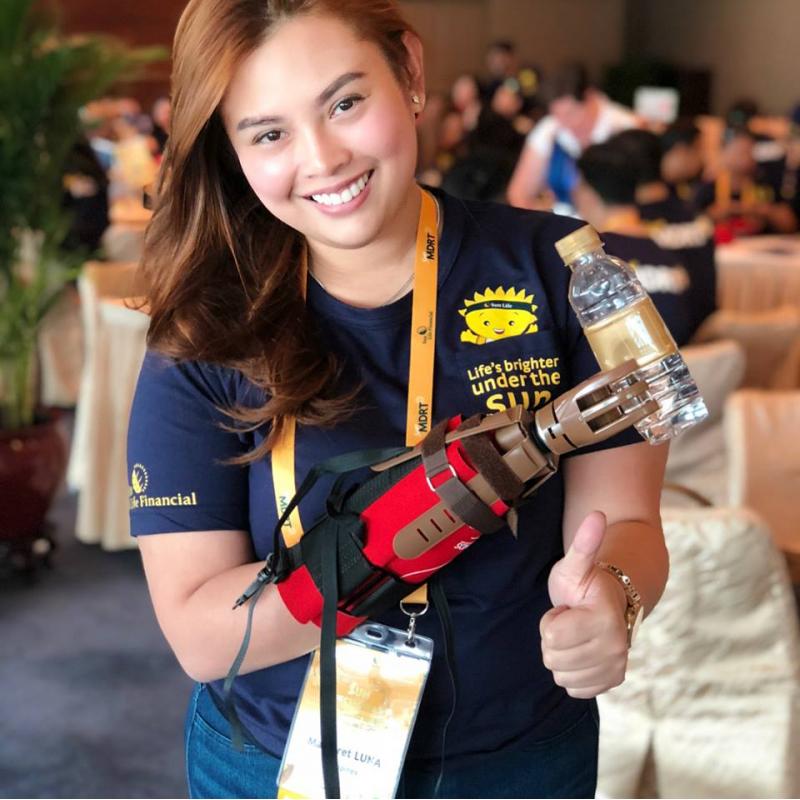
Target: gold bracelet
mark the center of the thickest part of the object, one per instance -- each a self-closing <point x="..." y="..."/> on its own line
<point x="634" y="610"/>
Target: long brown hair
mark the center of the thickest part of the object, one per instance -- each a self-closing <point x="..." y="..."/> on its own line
<point x="223" y="274"/>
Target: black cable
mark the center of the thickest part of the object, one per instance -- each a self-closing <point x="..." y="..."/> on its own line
<point x="443" y="608"/>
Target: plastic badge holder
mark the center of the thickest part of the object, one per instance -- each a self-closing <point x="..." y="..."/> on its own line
<point x="380" y="678"/>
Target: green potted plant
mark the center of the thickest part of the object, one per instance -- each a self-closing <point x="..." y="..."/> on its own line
<point x="45" y="80"/>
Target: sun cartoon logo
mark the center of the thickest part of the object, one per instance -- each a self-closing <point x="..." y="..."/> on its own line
<point x="139" y="479"/>
<point x="498" y="314"/>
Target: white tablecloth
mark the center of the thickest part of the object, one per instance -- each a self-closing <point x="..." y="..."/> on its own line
<point x="758" y="273"/>
<point x="60" y="349"/>
<point x="98" y="466"/>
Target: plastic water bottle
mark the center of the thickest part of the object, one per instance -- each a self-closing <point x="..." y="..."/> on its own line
<point x="621" y="323"/>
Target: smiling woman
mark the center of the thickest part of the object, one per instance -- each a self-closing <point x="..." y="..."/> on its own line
<point x="292" y="153"/>
<point x="298" y="141"/>
<point x="327" y="157"/>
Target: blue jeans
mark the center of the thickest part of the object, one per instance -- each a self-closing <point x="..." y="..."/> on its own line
<point x="564" y="765"/>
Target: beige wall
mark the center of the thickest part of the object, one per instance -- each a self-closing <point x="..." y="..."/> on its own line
<point x="454" y="35"/>
<point x="547" y="32"/>
<point x="551" y="32"/>
<point x="751" y="46"/>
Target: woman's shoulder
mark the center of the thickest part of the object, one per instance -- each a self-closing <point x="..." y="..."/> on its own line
<point x="217" y="384"/>
<point x="538" y="230"/>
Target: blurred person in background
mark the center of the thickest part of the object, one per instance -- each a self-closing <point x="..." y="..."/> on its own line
<point x="746" y="113"/>
<point x="605" y="196"/>
<point x="784" y="171"/>
<point x="503" y="68"/>
<point x="97" y="117"/>
<point x="465" y="98"/>
<point x="509" y="103"/>
<point x="665" y="213"/>
<point x="160" y="116"/>
<point x="578" y="115"/>
<point x="682" y="159"/>
<point x="486" y="157"/>
<point x="440" y="137"/>
<point x="790" y="178"/>
<point x="124" y="143"/>
<point x="443" y="128"/>
<point x="121" y="137"/>
<point x="673" y="223"/>
<point x="653" y="196"/>
<point x="85" y="197"/>
<point x="771" y="146"/>
<point x="501" y="64"/>
<point x="743" y="199"/>
<point x="741" y="113"/>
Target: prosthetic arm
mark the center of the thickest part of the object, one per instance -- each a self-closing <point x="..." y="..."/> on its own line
<point x="430" y="503"/>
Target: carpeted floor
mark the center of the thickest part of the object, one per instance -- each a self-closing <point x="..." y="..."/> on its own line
<point x="91" y="699"/>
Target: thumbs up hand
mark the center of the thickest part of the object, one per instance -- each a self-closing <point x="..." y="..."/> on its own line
<point x="584" y="635"/>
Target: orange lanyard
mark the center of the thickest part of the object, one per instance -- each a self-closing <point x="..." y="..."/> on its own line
<point x="420" y="368"/>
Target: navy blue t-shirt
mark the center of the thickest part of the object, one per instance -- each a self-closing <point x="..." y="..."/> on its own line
<point x="767" y="186"/>
<point x="674" y="225"/>
<point x="672" y="209"/>
<point x="665" y="277"/>
<point x="497" y="590"/>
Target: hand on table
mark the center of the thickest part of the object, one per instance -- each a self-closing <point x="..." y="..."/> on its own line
<point x="584" y="635"/>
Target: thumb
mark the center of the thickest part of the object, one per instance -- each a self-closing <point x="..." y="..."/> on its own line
<point x="577" y="565"/>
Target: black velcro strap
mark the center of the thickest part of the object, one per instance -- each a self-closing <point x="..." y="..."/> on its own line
<point x="488" y="461"/>
<point x="455" y="494"/>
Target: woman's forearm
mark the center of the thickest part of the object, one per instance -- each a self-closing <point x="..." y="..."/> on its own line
<point x="205" y="632"/>
<point x="527" y="180"/>
<point x="637" y="548"/>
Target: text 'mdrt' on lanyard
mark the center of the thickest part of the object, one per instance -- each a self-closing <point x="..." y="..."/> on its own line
<point x="419" y="405"/>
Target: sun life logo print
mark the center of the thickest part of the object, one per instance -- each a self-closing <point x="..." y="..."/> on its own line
<point x="138" y="497"/>
<point x="501" y="380"/>
<point x="498" y="314"/>
<point x="139" y="479"/>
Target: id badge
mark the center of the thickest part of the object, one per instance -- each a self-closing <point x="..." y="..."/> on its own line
<point x="379" y="682"/>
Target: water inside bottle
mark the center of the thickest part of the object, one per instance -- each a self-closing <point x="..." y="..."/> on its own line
<point x="680" y="405"/>
<point x="637" y="332"/>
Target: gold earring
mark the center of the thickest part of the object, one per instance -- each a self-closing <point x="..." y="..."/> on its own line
<point x="415" y="99"/>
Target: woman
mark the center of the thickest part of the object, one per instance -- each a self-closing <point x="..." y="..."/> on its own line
<point x="293" y="130"/>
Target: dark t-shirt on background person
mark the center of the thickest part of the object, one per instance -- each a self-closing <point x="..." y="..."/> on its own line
<point x="685" y="191"/>
<point x="497" y="590"/>
<point x="85" y="198"/>
<point x="490" y="152"/>
<point x="764" y="190"/>
<point x="671" y="210"/>
<point x="664" y="275"/>
<point x="675" y="225"/>
<point x="765" y="187"/>
<point x="787" y="181"/>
